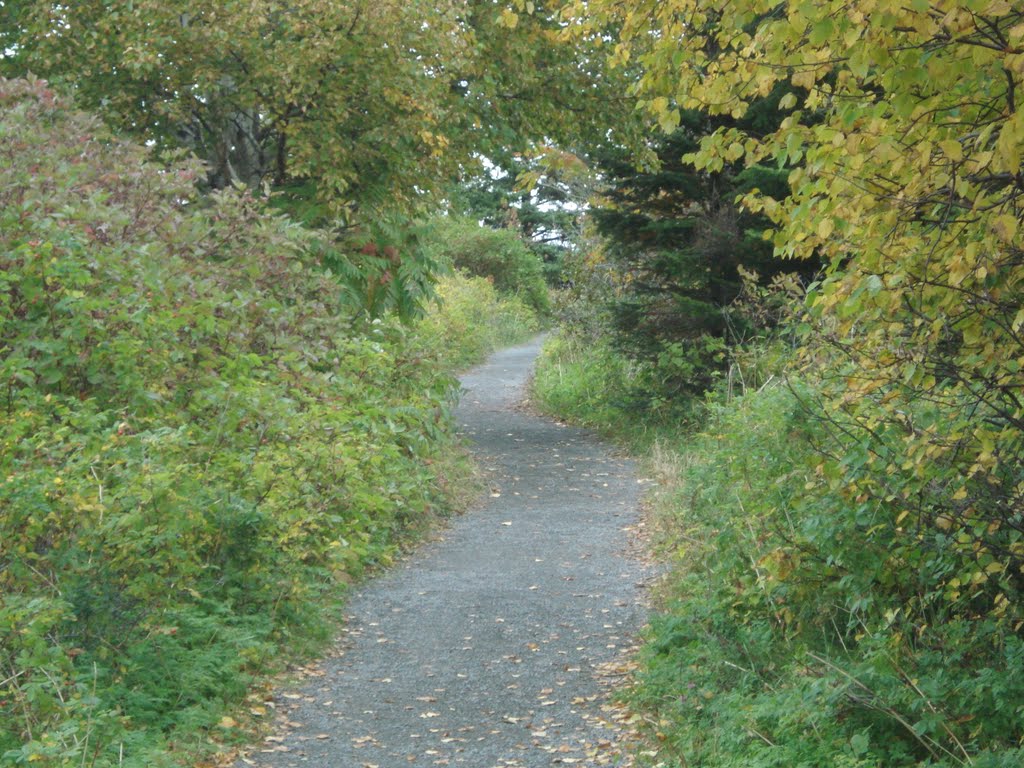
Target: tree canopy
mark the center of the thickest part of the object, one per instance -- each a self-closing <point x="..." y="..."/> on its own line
<point x="883" y="555"/>
<point x="907" y="128"/>
<point x="377" y="103"/>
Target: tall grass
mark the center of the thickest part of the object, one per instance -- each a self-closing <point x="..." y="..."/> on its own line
<point x="588" y="381"/>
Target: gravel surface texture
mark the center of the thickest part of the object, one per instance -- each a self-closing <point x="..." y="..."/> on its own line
<point x="488" y="647"/>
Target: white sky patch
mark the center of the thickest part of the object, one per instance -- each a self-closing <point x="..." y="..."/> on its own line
<point x="492" y="170"/>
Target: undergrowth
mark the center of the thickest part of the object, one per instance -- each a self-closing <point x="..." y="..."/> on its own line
<point x="201" y="442"/>
<point x="588" y="381"/>
<point x="471" y="320"/>
<point x="794" y="631"/>
<point x="818" y="612"/>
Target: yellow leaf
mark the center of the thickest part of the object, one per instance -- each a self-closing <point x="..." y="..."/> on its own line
<point x="1005" y="227"/>
<point x="804" y="78"/>
<point x="669" y="120"/>
<point x="509" y="18"/>
<point x="952" y="150"/>
<point x="1009" y="144"/>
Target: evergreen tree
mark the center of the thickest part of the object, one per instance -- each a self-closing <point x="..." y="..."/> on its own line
<point x="681" y="244"/>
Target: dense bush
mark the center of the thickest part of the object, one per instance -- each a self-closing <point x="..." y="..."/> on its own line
<point x="818" y="612"/>
<point x="470" y="320"/>
<point x="497" y="254"/>
<point x="196" y="445"/>
<point x="840" y="595"/>
<point x="809" y="627"/>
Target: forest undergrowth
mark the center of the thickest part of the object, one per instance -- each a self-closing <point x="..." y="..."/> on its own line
<point x="805" y="621"/>
<point x="203" y="441"/>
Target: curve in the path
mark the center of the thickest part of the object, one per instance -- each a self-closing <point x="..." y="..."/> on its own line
<point x="482" y="649"/>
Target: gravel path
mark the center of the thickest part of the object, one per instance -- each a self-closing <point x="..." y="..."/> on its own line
<point x="485" y="648"/>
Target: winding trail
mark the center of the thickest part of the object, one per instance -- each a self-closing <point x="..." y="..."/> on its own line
<point x="485" y="648"/>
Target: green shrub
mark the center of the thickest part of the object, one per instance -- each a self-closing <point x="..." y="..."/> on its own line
<point x="587" y="382"/>
<point x="197" y="447"/>
<point x="587" y="379"/>
<point x="806" y="626"/>
<point x="820" y="611"/>
<point x="471" y="320"/>
<point x="497" y="254"/>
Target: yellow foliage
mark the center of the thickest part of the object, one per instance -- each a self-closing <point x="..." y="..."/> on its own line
<point x="903" y="132"/>
<point x="906" y="141"/>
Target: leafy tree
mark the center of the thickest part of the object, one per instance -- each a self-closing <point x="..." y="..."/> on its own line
<point x="543" y="197"/>
<point x="497" y="255"/>
<point x="345" y="93"/>
<point x="909" y="132"/>
<point x="904" y="136"/>
<point x="377" y="102"/>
